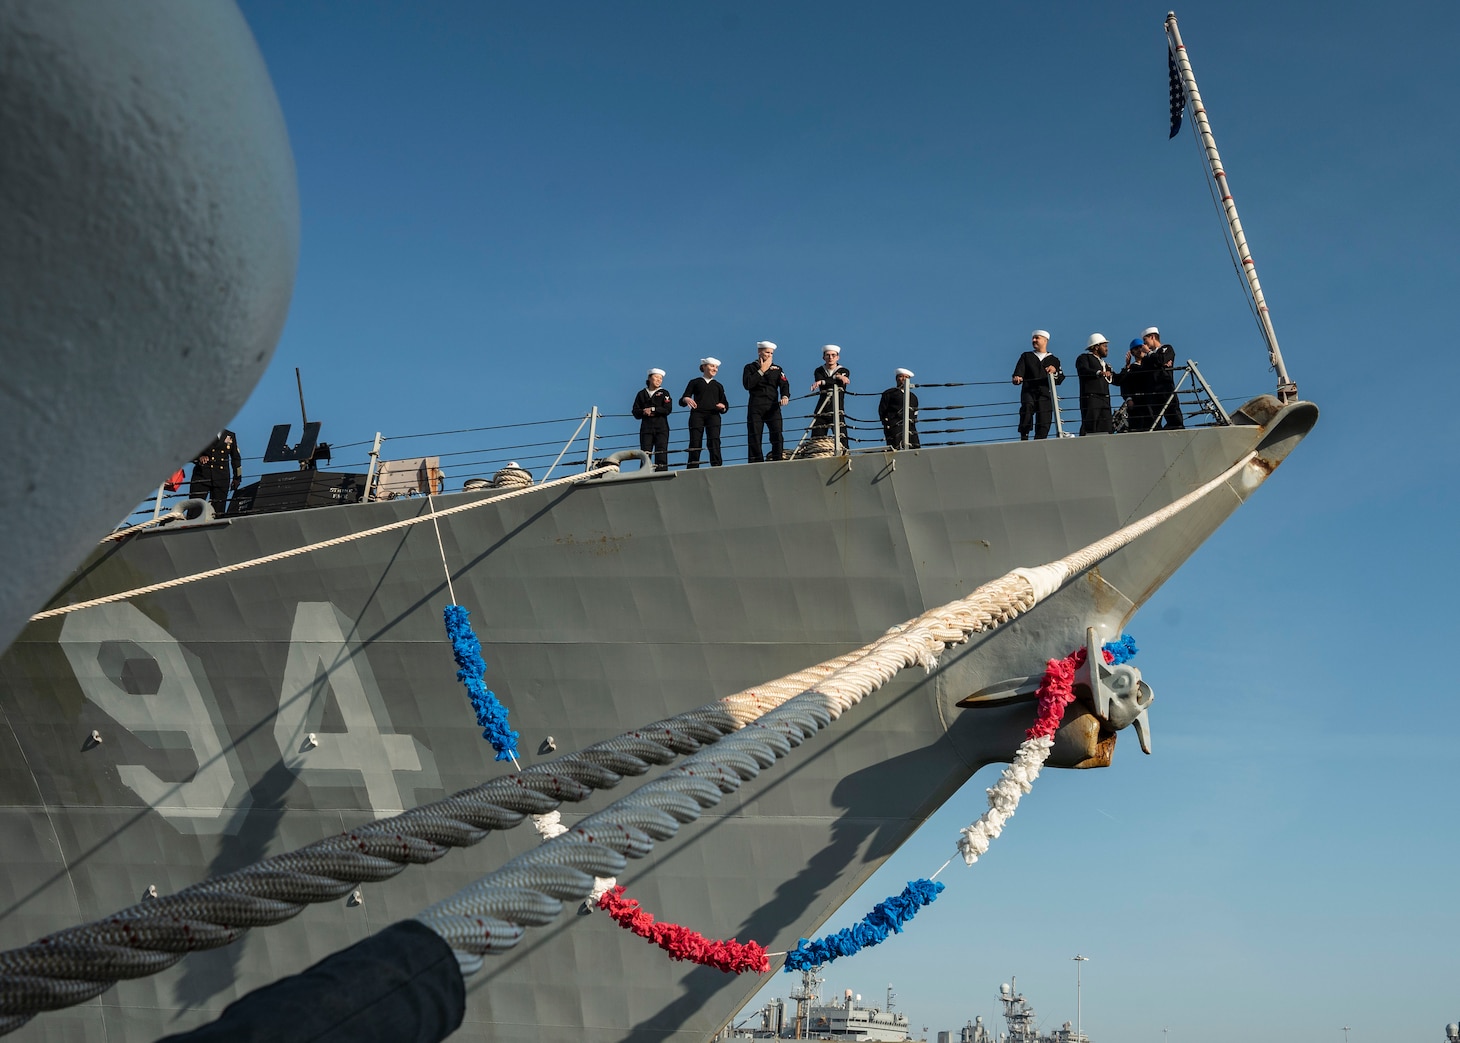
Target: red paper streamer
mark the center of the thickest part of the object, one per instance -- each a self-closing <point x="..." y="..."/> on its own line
<point x="1056" y="691"/>
<point x="681" y="942"/>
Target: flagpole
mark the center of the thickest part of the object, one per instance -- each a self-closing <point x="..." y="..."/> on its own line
<point x="1286" y="389"/>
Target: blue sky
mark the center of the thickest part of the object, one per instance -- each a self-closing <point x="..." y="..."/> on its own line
<point x="511" y="212"/>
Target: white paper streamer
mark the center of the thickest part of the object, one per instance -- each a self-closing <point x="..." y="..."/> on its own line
<point x="601" y="886"/>
<point x="1015" y="781"/>
<point x="549" y="825"/>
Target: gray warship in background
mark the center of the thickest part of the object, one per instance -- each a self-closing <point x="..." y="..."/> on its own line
<point x="848" y="1019"/>
<point x="178" y="734"/>
<point x="845" y="1019"/>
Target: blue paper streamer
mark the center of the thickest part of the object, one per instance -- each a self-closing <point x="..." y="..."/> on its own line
<point x="1123" y="649"/>
<point x="472" y="668"/>
<point x="886" y="917"/>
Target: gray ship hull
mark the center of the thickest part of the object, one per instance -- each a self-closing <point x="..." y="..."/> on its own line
<point x="600" y="607"/>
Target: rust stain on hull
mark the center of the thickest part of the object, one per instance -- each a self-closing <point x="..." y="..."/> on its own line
<point x="601" y="544"/>
<point x="1105" y="598"/>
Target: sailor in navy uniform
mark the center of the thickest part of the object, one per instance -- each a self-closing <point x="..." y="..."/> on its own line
<point x="769" y="391"/>
<point x="216" y="470"/>
<point x="889" y="411"/>
<point x="1161" y="362"/>
<point x="704" y="397"/>
<point x="652" y="406"/>
<point x="830" y="379"/>
<point x="1032" y="373"/>
<point x="1095" y="377"/>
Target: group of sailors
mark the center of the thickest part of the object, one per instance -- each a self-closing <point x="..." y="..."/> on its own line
<point x="1146" y="381"/>
<point x="769" y="389"/>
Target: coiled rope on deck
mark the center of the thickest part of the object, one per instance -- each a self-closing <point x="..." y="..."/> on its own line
<point x="74" y="965"/>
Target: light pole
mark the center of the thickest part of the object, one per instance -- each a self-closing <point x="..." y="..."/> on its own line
<point x="1079" y="1030"/>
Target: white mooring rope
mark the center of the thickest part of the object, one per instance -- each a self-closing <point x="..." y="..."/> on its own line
<point x="294" y="552"/>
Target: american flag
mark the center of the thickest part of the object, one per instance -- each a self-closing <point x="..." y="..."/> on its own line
<point x="1178" y="94"/>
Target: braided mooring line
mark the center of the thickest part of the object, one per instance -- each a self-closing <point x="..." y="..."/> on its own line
<point x="79" y="963"/>
<point x="62" y="969"/>
<point x="73" y="965"/>
<point x="490" y="915"/>
<point x="294" y="552"/>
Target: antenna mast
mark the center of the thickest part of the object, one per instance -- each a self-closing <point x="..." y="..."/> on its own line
<point x="299" y="382"/>
<point x="1287" y="390"/>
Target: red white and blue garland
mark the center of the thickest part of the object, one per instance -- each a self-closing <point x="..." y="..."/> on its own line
<point x="471" y="668"/>
<point x="682" y="943"/>
<point x="1055" y="693"/>
<point x="471" y="671"/>
<point x="886" y="917"/>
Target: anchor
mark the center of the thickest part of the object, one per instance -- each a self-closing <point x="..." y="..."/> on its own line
<point x="1119" y="696"/>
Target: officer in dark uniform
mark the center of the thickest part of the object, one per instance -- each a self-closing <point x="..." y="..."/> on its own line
<point x="889" y="411"/>
<point x="704" y="396"/>
<point x="1134" y="381"/>
<point x="831" y="379"/>
<point x="769" y="391"/>
<point x="1162" y="364"/>
<point x="216" y="470"/>
<point x="1095" y="378"/>
<point x="1032" y="373"/>
<point x="652" y="406"/>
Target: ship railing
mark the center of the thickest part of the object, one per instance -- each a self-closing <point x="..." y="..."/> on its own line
<point x="590" y="420"/>
<point x="950" y="413"/>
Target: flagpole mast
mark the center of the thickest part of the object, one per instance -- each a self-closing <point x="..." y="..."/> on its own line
<point x="1287" y="390"/>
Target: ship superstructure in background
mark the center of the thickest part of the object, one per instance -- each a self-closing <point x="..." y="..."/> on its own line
<point x="1023" y="1024"/>
<point x="182" y="733"/>
<point x="974" y="1031"/>
<point x="846" y="1018"/>
<point x="850" y="1019"/>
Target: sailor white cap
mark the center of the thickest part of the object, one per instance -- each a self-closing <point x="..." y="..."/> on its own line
<point x="1096" y="338"/>
<point x="1040" y="333"/>
<point x="769" y="345"/>
<point x="1150" y="330"/>
<point x="904" y="373"/>
<point x="656" y="371"/>
<point x="709" y="360"/>
<point x="830" y="347"/>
